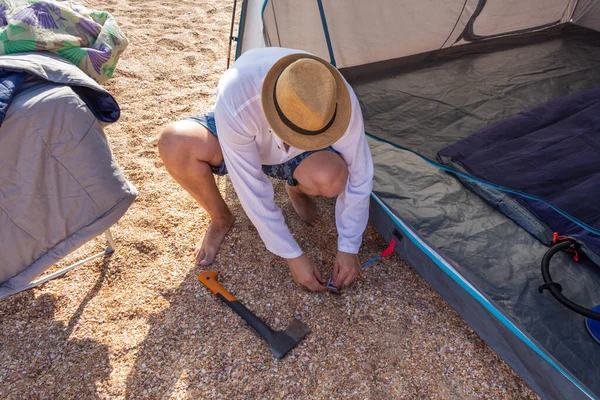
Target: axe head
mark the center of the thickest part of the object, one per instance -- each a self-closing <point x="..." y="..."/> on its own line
<point x="283" y="341"/>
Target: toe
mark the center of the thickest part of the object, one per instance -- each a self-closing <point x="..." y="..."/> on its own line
<point x="199" y="256"/>
<point x="208" y="258"/>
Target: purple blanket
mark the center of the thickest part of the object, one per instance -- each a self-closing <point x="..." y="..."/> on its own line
<point x="551" y="152"/>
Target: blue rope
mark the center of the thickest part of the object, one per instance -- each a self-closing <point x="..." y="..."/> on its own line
<point x="371" y="261"/>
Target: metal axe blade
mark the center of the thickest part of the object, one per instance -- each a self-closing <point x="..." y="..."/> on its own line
<point x="280" y="342"/>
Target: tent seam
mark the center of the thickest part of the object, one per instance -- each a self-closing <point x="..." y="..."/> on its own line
<point x="456" y="24"/>
<point x="326" y="32"/>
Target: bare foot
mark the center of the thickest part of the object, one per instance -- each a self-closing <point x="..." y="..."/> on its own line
<point x="303" y="205"/>
<point x="218" y="228"/>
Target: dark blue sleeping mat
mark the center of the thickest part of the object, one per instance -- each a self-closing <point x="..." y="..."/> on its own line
<point x="551" y="153"/>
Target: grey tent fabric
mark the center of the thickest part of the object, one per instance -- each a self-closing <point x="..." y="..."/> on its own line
<point x="459" y="91"/>
<point x="60" y="185"/>
<point x="501" y="261"/>
<point x="355" y="32"/>
<point x="361" y="43"/>
<point x="587" y="14"/>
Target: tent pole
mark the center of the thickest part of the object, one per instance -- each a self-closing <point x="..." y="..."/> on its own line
<point x="326" y="32"/>
<point x="240" y="36"/>
<point x="231" y="33"/>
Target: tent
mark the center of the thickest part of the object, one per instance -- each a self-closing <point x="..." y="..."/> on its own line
<point x="433" y="78"/>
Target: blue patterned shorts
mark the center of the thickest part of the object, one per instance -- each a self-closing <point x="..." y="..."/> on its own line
<point x="283" y="171"/>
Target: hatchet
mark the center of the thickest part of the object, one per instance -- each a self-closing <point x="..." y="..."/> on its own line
<point x="280" y="342"/>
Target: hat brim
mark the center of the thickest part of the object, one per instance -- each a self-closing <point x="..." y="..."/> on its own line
<point x="288" y="135"/>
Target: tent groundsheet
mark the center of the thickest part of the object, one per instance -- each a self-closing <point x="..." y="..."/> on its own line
<point x="492" y="266"/>
<point x="413" y="112"/>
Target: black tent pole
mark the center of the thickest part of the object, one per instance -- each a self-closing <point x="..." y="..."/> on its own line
<point x="231" y="33"/>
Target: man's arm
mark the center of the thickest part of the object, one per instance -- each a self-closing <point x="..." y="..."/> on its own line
<point x="352" y="206"/>
<point x="255" y="192"/>
<point x="252" y="186"/>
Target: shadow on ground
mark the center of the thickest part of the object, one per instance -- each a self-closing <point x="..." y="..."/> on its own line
<point x="34" y="366"/>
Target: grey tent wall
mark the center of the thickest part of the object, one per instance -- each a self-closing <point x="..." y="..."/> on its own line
<point x="295" y="25"/>
<point x="298" y="25"/>
<point x="547" y="381"/>
<point x="362" y="32"/>
<point x="587" y="14"/>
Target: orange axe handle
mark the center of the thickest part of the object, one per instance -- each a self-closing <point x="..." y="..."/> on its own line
<point x="280" y="342"/>
<point x="209" y="279"/>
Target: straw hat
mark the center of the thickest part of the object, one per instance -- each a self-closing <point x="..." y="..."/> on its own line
<point x="306" y="102"/>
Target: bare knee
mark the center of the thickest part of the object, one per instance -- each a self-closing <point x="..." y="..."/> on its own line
<point x="169" y="143"/>
<point x="186" y="141"/>
<point x="331" y="181"/>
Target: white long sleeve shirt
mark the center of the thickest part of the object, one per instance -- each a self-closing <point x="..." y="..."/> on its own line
<point x="247" y="143"/>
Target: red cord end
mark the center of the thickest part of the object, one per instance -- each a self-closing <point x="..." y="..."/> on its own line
<point x="390" y="249"/>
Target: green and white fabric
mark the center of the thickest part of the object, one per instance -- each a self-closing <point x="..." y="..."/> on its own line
<point x="90" y="39"/>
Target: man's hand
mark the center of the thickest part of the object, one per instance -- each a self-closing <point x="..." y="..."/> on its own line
<point x="305" y="272"/>
<point x="346" y="268"/>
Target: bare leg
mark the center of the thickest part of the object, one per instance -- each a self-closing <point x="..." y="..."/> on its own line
<point x="188" y="150"/>
<point x="304" y="206"/>
<point x="323" y="173"/>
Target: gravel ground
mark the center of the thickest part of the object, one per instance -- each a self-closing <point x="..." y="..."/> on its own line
<point x="139" y="325"/>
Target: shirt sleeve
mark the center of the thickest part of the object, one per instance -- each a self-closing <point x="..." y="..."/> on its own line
<point x="236" y="135"/>
<point x="352" y="206"/>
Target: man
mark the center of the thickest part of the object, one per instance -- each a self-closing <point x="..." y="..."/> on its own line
<point x="289" y="115"/>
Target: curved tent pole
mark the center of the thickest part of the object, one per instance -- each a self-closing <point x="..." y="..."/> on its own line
<point x="456" y="24"/>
